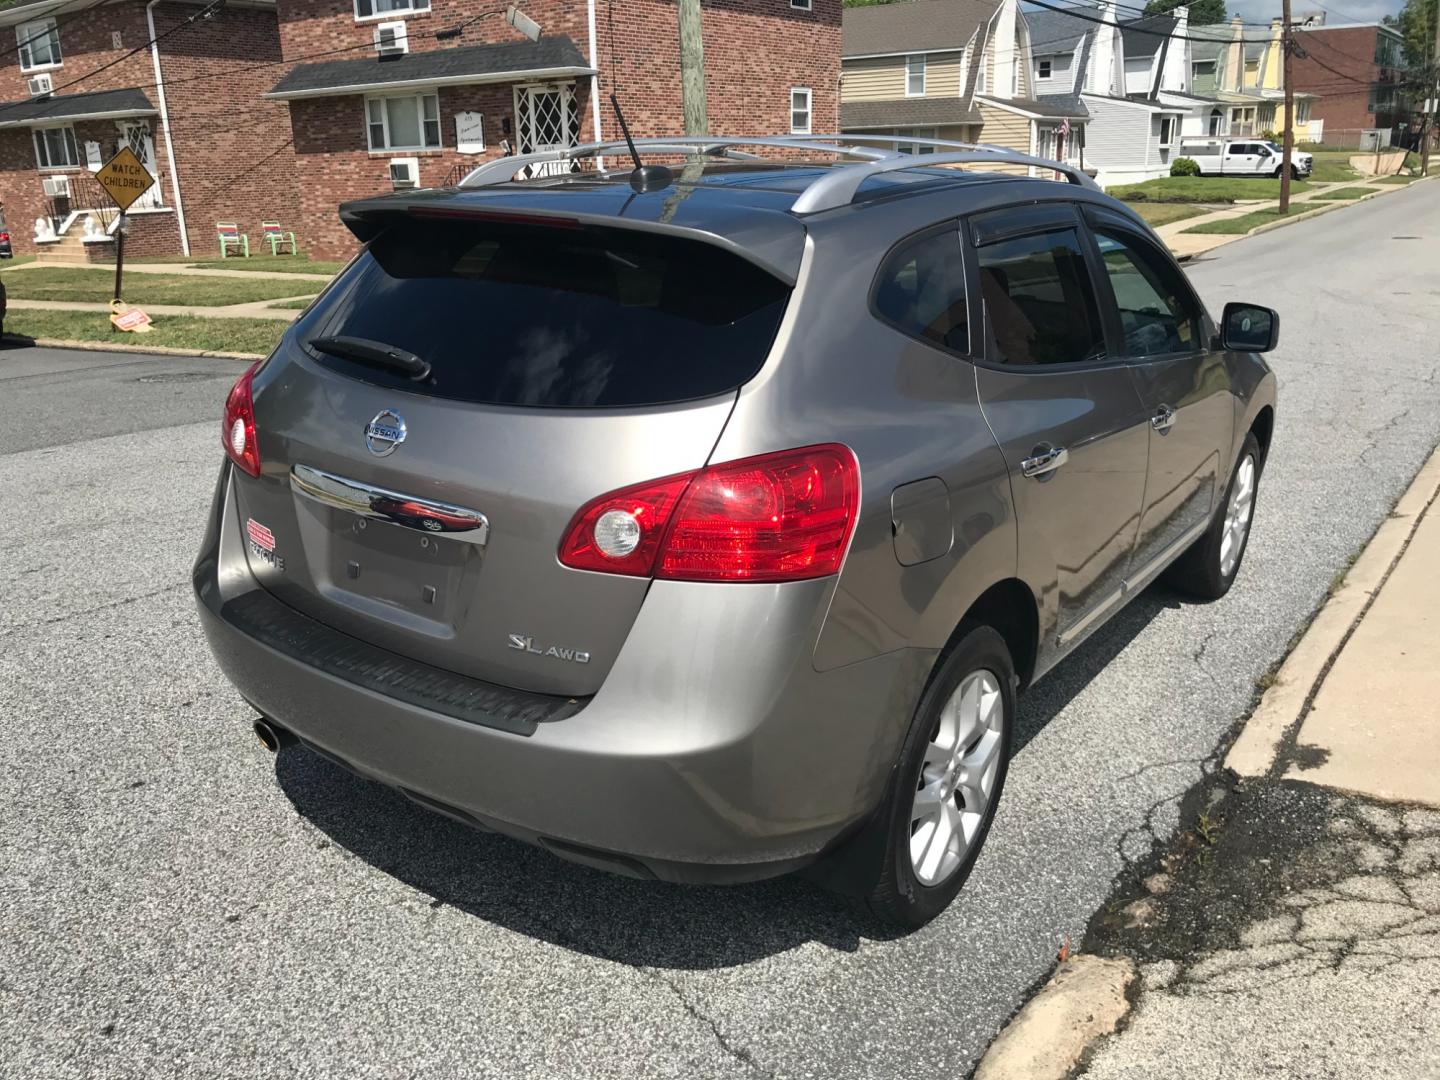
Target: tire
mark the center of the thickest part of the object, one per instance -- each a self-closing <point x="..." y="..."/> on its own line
<point x="978" y="668"/>
<point x="1208" y="569"/>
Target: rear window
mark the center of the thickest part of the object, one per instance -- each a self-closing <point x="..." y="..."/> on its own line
<point x="553" y="317"/>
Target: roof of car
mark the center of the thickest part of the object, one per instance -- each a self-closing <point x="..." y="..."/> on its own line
<point x="744" y="206"/>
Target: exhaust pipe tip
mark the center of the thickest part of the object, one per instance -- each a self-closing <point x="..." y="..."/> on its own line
<point x="272" y="736"/>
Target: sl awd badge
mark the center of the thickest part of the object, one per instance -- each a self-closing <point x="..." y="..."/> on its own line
<point x="527" y="644"/>
<point x="385" y="432"/>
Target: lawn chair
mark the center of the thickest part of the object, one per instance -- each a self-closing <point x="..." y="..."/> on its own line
<point x="229" y="235"/>
<point x="278" y="237"/>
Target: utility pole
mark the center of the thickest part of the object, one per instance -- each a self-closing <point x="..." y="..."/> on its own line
<point x="1433" y="101"/>
<point x="692" y="68"/>
<point x="1287" y="44"/>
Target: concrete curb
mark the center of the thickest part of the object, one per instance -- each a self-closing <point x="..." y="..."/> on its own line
<point x="1288" y="698"/>
<point x="1084" y="1000"/>
<point x="156" y="350"/>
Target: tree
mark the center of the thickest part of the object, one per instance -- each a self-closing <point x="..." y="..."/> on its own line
<point x="1202" y="12"/>
<point x="1416" y="22"/>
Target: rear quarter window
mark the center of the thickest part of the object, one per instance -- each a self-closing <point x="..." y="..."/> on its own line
<point x="553" y="317"/>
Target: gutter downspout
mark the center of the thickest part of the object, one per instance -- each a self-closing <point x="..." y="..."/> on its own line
<point x="595" y="79"/>
<point x="165" y="121"/>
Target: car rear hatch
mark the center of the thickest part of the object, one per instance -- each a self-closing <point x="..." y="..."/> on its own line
<point x="562" y="360"/>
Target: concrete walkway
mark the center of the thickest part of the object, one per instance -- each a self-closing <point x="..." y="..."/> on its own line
<point x="182" y="269"/>
<point x="256" y="310"/>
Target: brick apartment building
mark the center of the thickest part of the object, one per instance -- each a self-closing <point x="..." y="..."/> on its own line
<point x="1354" y="70"/>
<point x="377" y="100"/>
<point x="80" y="78"/>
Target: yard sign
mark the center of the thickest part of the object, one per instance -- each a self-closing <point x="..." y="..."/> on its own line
<point x="125" y="178"/>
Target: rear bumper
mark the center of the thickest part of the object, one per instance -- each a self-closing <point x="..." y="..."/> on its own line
<point x="713" y="752"/>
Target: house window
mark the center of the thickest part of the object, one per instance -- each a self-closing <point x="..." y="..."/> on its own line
<point x="55" y="148"/>
<point x="915" y="76"/>
<point x="1042" y="69"/>
<point x="1167" y="131"/>
<point x="407" y="122"/>
<point x="373" y="9"/>
<point x="915" y="133"/>
<point x="39" y="43"/>
<point x="803" y="5"/>
<point x="1302" y="111"/>
<point x="1217" y="122"/>
<point x="1201" y="68"/>
<point x="799" y="111"/>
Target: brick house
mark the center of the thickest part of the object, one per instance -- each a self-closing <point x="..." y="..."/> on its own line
<point x="378" y="100"/>
<point x="179" y="82"/>
<point x="1355" y="71"/>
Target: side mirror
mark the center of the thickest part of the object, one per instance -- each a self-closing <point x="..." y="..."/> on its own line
<point x="1249" y="328"/>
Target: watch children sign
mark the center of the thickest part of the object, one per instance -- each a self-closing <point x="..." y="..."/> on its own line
<point x="124" y="178"/>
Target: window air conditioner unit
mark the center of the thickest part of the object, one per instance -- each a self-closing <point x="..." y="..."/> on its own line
<point x="390" y="38"/>
<point x="56" y="187"/>
<point x="40" y="85"/>
<point x="405" y="172"/>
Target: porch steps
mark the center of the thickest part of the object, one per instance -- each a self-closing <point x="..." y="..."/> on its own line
<point x="67" y="251"/>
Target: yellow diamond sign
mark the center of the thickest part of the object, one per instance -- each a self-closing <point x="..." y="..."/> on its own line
<point x="125" y="178"/>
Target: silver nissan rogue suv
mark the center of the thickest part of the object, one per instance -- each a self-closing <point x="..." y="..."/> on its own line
<point x="703" y="523"/>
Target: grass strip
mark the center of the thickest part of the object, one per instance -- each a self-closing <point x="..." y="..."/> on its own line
<point x="176" y="332"/>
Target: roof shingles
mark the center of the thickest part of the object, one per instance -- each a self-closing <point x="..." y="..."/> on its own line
<point x="915" y="26"/>
<point x="130" y="101"/>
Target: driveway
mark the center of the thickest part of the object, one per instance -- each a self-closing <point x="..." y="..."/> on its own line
<point x="178" y="902"/>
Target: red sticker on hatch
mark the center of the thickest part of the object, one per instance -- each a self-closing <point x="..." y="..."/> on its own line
<point x="259" y="534"/>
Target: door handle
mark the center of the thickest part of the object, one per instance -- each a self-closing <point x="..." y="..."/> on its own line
<point x="1163" y="420"/>
<point x="1045" y="461"/>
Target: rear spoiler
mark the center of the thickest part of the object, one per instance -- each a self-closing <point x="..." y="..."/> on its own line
<point x="772" y="241"/>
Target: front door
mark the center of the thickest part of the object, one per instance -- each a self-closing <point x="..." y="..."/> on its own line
<point x="1065" y="413"/>
<point x="546" y="119"/>
<point x="136" y="135"/>
<point x="1182" y="383"/>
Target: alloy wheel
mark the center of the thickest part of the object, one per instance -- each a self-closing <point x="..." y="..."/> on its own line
<point x="1237" y="515"/>
<point x="957" y="778"/>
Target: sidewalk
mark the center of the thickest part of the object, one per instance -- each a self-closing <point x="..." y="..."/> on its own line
<point x="183" y="269"/>
<point x="1293" y="930"/>
<point x="257" y="309"/>
<point x="1188" y="245"/>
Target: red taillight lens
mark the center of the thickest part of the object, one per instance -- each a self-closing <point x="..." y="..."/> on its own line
<point x="237" y="433"/>
<point x="778" y="517"/>
<point x="4" y="237"/>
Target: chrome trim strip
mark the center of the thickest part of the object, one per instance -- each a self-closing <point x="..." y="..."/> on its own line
<point x="1131" y="585"/>
<point x="381" y="504"/>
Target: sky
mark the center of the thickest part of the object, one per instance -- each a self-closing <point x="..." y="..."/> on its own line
<point x="1345" y="11"/>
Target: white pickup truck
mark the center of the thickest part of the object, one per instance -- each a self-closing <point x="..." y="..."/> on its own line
<point x="1243" y="157"/>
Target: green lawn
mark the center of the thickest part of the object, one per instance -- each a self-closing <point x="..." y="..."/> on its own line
<point x="1343" y="193"/>
<point x="1332" y="167"/>
<point x="84" y="284"/>
<point x="1395" y="179"/>
<point x="1163" y="213"/>
<point x="256" y="336"/>
<point x="286" y="305"/>
<point x="1191" y="189"/>
<point x="16" y="260"/>
<point x="1240" y="223"/>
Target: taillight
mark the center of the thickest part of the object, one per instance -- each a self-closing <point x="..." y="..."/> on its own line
<point x="785" y="516"/>
<point x="237" y="433"/>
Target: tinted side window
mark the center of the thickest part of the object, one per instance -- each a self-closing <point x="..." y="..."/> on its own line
<point x="1156" y="312"/>
<point x="921" y="290"/>
<point x="1040" y="300"/>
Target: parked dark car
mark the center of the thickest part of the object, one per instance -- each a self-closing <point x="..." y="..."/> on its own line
<point x="702" y="526"/>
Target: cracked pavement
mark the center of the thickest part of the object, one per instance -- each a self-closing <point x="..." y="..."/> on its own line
<point x="177" y="902"/>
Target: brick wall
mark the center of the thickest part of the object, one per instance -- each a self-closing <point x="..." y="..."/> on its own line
<point x="232" y="149"/>
<point x="1344" y="93"/>
<point x="755" y="52"/>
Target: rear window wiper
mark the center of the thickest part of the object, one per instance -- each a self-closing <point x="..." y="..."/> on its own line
<point x="374" y="353"/>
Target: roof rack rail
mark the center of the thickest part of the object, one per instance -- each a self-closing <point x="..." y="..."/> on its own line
<point x="504" y="169"/>
<point x="835" y="189"/>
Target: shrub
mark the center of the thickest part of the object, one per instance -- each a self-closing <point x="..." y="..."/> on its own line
<point x="1270" y="136"/>
<point x="1184" y="166"/>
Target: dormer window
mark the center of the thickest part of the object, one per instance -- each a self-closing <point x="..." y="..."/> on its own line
<point x="915" y="75"/>
<point x="1042" y="69"/>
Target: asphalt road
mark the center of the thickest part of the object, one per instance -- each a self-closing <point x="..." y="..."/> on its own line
<point x="177" y="902"/>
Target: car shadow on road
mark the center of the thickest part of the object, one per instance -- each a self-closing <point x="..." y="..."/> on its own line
<point x="644" y="923"/>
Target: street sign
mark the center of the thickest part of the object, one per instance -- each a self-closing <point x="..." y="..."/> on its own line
<point x="124" y="178"/>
